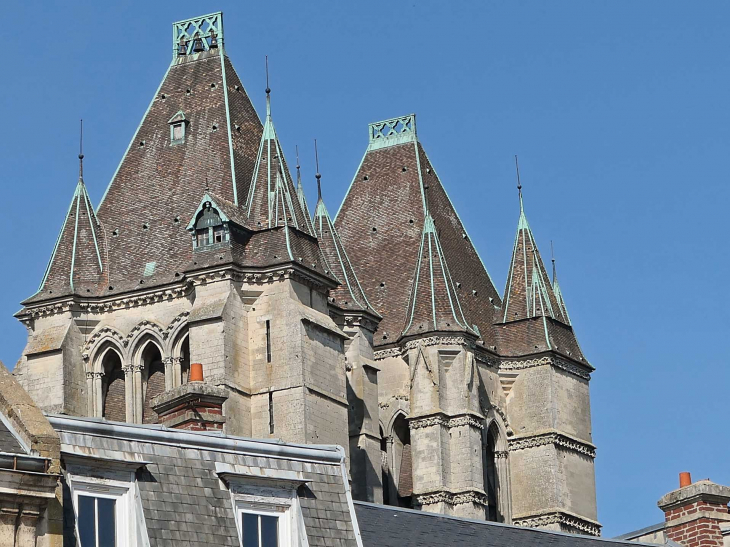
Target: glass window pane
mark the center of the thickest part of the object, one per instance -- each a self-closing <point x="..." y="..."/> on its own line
<point x="269" y="531"/>
<point x="250" y="529"/>
<point x="87" y="520"/>
<point x="105" y="522"/>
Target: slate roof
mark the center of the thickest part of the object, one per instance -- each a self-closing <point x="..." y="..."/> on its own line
<point x="381" y="222"/>
<point x="384" y="526"/>
<point x="534" y="318"/>
<point x="529" y="292"/>
<point x="272" y="198"/>
<point x="183" y="500"/>
<point x="8" y="442"/>
<point x="434" y="304"/>
<point x="76" y="264"/>
<point x="158" y="185"/>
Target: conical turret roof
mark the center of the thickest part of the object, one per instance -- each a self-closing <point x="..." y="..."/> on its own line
<point x="434" y="302"/>
<point x="529" y="292"/>
<point x="76" y="265"/>
<point x="272" y="198"/>
<point x="534" y="318"/>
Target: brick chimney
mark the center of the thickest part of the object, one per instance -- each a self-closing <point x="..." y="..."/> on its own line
<point x="195" y="406"/>
<point x="696" y="514"/>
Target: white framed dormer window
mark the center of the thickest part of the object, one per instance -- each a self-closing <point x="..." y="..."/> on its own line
<point x="104" y="513"/>
<point x="268" y="513"/>
<point x="106" y="502"/>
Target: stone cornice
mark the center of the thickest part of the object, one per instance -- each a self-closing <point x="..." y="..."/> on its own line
<point x="560" y="440"/>
<point x="441" y="419"/>
<point x="563" y="518"/>
<point x="453" y="497"/>
<point x="181" y="289"/>
<point x="582" y="371"/>
<point x="436" y="340"/>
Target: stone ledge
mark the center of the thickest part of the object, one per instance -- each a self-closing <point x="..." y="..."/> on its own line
<point x="563" y="518"/>
<point x="453" y="497"/>
<point x="705" y="490"/>
<point x="557" y="438"/>
<point x="190" y="392"/>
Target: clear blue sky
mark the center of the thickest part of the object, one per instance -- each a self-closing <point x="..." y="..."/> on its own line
<point x="618" y="111"/>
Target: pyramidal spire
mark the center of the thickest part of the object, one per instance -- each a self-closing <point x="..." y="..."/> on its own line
<point x="529" y="292"/>
<point x="558" y="293"/>
<point x="434" y="304"/>
<point x="272" y="198"/>
<point x="350" y="294"/>
<point x="76" y="265"/>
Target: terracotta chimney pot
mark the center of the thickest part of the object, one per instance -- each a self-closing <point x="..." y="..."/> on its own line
<point x="196" y="373"/>
<point x="685" y="479"/>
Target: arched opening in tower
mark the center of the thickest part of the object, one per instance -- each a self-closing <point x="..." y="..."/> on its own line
<point x="153" y="380"/>
<point x="113" y="405"/>
<point x="491" y="477"/>
<point x="403" y="466"/>
<point x="185" y="361"/>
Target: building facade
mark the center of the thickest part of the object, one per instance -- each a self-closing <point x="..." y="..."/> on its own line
<point x="378" y="330"/>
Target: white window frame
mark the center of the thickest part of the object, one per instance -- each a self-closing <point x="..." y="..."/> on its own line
<point x="119" y="490"/>
<point x="266" y="491"/>
<point x="282" y="512"/>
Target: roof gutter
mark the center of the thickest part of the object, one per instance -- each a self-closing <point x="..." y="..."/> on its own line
<point x="162" y="435"/>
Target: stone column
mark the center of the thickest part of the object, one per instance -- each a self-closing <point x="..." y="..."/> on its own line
<point x="138" y="393"/>
<point x="392" y="484"/>
<point x="129" y="392"/>
<point x="503" y="489"/>
<point x="98" y="394"/>
<point x="176" y="371"/>
<point x="169" y="379"/>
<point x="90" y="395"/>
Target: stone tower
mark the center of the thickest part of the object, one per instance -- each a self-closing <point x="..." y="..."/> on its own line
<point x="484" y="404"/>
<point x="379" y="330"/>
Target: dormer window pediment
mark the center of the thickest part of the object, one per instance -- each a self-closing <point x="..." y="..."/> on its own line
<point x="178" y="124"/>
<point x="209" y="228"/>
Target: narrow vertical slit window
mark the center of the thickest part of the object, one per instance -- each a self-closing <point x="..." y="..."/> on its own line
<point x="271" y="412"/>
<point x="268" y="341"/>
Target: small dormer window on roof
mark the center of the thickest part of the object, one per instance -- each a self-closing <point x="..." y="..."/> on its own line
<point x="178" y="124"/>
<point x="209" y="228"/>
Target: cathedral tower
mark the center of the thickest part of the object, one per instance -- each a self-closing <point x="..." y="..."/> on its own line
<point x="379" y="330"/>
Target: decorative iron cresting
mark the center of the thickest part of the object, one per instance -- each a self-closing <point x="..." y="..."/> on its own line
<point x="204" y="32"/>
<point x="393" y="131"/>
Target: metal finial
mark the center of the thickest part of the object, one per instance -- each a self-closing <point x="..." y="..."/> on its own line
<point x="268" y="89"/>
<point x="318" y="176"/>
<point x="552" y="257"/>
<point x="519" y="184"/>
<point x="81" y="151"/>
<point x="299" y="174"/>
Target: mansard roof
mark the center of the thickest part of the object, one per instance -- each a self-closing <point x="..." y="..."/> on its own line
<point x="350" y="294"/>
<point x="381" y="223"/>
<point x="76" y="264"/>
<point x="434" y="304"/>
<point x="272" y="198"/>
